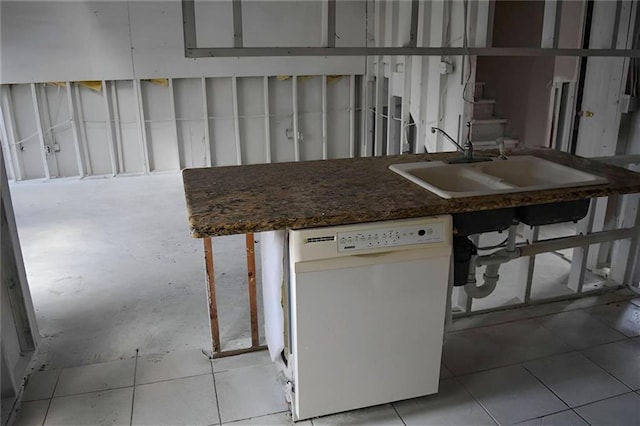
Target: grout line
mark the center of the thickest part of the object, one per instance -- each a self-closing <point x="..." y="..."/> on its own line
<point x="215" y="392"/>
<point x="546" y="415"/>
<point x="396" y="410"/>
<point x="464" y="388"/>
<point x="170" y="380"/>
<point x="133" y="395"/>
<point x="603" y="399"/>
<point x="545" y="385"/>
<point x="513" y="364"/>
<point x="52" y="394"/>
<point x="579" y="416"/>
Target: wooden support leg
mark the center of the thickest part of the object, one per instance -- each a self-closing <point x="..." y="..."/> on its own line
<point x="251" y="275"/>
<point x="211" y="290"/>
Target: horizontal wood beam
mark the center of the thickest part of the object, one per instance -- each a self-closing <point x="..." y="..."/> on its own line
<point x="206" y="52"/>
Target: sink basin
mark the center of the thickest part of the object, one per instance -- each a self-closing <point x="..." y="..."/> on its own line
<point x="516" y="174"/>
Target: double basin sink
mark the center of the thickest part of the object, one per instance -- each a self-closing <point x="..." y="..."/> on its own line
<point x="515" y="174"/>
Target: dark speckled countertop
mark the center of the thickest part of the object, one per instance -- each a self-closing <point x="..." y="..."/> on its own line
<point x="263" y="197"/>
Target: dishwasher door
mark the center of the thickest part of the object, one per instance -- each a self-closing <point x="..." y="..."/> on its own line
<point x="367" y="326"/>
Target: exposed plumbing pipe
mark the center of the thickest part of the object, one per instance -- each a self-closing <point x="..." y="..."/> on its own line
<point x="491" y="275"/>
<point x="495" y="259"/>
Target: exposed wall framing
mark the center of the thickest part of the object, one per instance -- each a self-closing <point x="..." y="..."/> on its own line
<point x="129" y="127"/>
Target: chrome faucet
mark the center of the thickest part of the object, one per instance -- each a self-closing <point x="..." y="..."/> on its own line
<point x="467" y="149"/>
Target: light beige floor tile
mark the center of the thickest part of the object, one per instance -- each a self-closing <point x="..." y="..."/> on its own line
<point x="240" y="361"/>
<point x="564" y="418"/>
<point x="484" y="348"/>
<point x="623" y="316"/>
<point x="172" y="365"/>
<point x="620" y="411"/>
<point x="186" y="401"/>
<point x="512" y="394"/>
<point x="96" y="377"/>
<point x="32" y="413"/>
<point x="452" y="405"/>
<point x="250" y="392"/>
<point x="41" y="385"/>
<point x="579" y="330"/>
<point x="620" y="359"/>
<point x="575" y="379"/>
<point x="112" y="407"/>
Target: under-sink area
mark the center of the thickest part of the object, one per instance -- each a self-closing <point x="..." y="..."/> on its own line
<point x="495" y="176"/>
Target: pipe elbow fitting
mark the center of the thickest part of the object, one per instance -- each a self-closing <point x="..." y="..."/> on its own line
<point x="490" y="281"/>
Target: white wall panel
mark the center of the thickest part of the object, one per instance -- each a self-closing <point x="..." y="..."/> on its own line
<point x="162" y="144"/>
<point x="310" y="116"/>
<point x="338" y="118"/>
<point x="222" y="135"/>
<point x="26" y="132"/>
<point x="90" y="40"/>
<point x="281" y="110"/>
<point x="281" y="23"/>
<point x="189" y="117"/>
<point x="97" y="142"/>
<point x="64" y="40"/>
<point x="60" y="136"/>
<point x="251" y="112"/>
<point x="133" y="158"/>
<point x="157" y="34"/>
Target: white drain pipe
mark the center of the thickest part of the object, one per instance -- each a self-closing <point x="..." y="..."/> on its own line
<point x="494" y="260"/>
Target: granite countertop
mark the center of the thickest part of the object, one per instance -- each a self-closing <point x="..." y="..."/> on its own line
<point x="262" y="197"/>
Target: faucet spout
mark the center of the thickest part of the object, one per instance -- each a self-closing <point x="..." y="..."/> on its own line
<point x="458" y="146"/>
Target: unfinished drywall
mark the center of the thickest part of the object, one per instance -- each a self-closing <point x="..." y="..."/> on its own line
<point x="116" y="40"/>
<point x="510" y="80"/>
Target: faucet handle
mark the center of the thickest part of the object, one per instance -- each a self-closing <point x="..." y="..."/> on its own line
<point x="501" y="148"/>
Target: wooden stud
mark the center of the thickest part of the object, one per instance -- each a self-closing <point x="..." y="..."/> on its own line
<point x="174" y="124"/>
<point x="352" y="116"/>
<point x="527" y="264"/>
<point x="331" y="23"/>
<point x="116" y="122"/>
<point x="251" y="275"/>
<point x="205" y="114"/>
<point x="324" y="118"/>
<point x="236" y="119"/>
<point x="237" y="23"/>
<point x="211" y="291"/>
<point x="11" y="128"/>
<point x="580" y="254"/>
<point x="84" y="141"/>
<point x="38" y="118"/>
<point x="379" y="95"/>
<point x="294" y="99"/>
<point x="109" y="128"/>
<point x="405" y="107"/>
<point x="74" y="129"/>
<point x="391" y="110"/>
<point x="142" y="126"/>
<point x="267" y="121"/>
<point x="6" y="147"/>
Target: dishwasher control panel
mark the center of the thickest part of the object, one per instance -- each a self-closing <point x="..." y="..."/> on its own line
<point x="391" y="237"/>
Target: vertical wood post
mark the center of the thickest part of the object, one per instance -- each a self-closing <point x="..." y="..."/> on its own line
<point x="251" y="275"/>
<point x="211" y="290"/>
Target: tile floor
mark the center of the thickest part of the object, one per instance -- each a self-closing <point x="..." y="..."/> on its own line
<point x="554" y="364"/>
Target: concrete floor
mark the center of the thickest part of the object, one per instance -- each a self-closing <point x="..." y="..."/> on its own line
<point x="112" y="268"/>
<point x="118" y="287"/>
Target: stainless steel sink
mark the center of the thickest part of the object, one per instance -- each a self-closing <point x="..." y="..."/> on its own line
<point x="516" y="174"/>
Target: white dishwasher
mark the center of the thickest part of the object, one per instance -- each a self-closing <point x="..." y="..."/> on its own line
<point x="366" y="313"/>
